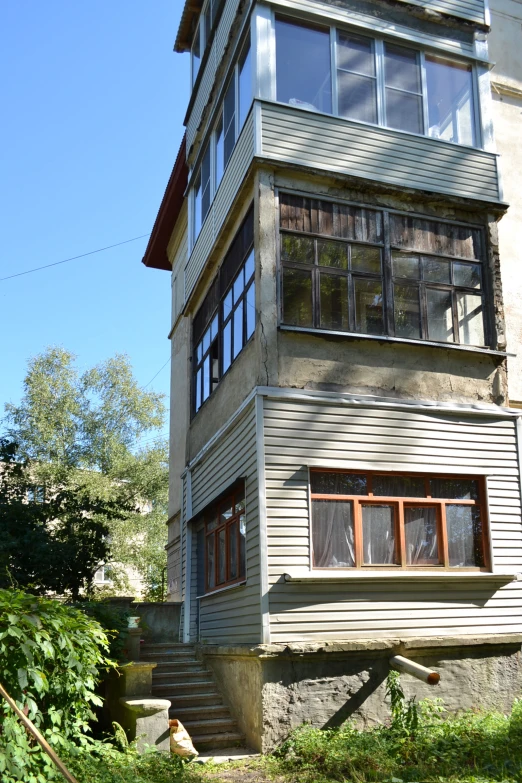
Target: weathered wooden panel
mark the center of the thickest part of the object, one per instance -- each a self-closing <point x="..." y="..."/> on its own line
<point x="235" y="173"/>
<point x="299" y="434"/>
<point x="231" y="615"/>
<point x="377" y="154"/>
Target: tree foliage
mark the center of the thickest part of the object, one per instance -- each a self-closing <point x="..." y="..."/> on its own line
<point x="77" y="435"/>
<point x="50" y="657"/>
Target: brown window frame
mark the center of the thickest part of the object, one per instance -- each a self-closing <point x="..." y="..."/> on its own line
<point x="235" y="500"/>
<point x="400" y="503"/>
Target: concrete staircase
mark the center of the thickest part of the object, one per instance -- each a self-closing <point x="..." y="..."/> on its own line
<point x="194" y="697"/>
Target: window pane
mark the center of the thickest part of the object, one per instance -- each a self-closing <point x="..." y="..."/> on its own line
<point x="464" y="536"/>
<point x="197" y="207"/>
<point x="471" y="322"/>
<point x="196" y="55"/>
<point x="399" y="486"/>
<point x="435" y="270"/>
<point x="334" y="301"/>
<point x="365" y="259"/>
<point x="242" y="545"/>
<point x="226" y="510"/>
<point x="220" y="151"/>
<point x="240" y="501"/>
<point x="357" y="97"/>
<point x="205" y="184"/>
<point x="454" y="489"/>
<point x="420" y="531"/>
<point x="206" y="378"/>
<point x="199" y="352"/>
<point x="245" y="87"/>
<point x="303" y="80"/>
<point x="333" y="254"/>
<point x="368" y="306"/>
<point x="206" y="341"/>
<point x="227" y="346"/>
<point x="214" y="328"/>
<point x="327" y="483"/>
<point x="214" y="358"/>
<point x="229" y="120"/>
<point x="222" y="552"/>
<point x="354" y="53"/>
<point x="238" y="329"/>
<point x="467" y="275"/>
<point x="239" y="285"/>
<point x="212" y="521"/>
<point x="332" y="534"/>
<point x="450" y="101"/>
<point x="297" y="297"/>
<point x="251" y="311"/>
<point x="378" y="527"/>
<point x="401" y="68"/>
<point x="249" y="267"/>
<point x="404" y="111"/>
<point x="440" y="315"/>
<point x="198" y="389"/>
<point x="232" y="549"/>
<point x="406" y="265"/>
<point x="407" y="312"/>
<point x="297" y="249"/>
<point x="211" y="568"/>
<point x="227" y="305"/>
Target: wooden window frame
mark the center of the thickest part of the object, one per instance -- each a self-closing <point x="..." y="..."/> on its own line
<point x="400" y="503"/>
<point x="387" y="279"/>
<point x="234" y="500"/>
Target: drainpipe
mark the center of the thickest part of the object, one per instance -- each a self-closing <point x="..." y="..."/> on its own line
<point x="415" y="669"/>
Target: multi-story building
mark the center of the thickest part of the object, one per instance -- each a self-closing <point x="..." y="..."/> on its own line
<point x="345" y="465"/>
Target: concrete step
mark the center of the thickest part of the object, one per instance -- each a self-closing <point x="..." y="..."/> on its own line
<point x="173" y="689"/>
<point x="177" y="666"/>
<point x="199" y="713"/>
<point x="167" y="646"/>
<point x="166" y="657"/>
<point x="196" y="700"/>
<point x="178" y="677"/>
<point x="211" y="726"/>
<point x="227" y="739"/>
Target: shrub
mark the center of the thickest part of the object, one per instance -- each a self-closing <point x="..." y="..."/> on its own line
<point x="113" y="620"/>
<point x="50" y="657"/>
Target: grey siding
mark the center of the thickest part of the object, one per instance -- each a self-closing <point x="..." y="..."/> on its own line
<point x="207" y="79"/>
<point x="227" y="191"/>
<point x="302" y="434"/>
<point x="472" y="10"/>
<point x="378" y="154"/>
<point x="232" y="615"/>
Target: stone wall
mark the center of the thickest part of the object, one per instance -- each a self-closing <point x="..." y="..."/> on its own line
<point x="272" y="689"/>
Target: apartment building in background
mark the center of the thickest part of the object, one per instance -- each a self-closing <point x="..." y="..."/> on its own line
<point x="345" y="436"/>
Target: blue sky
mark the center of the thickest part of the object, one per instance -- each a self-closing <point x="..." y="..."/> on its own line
<point x="93" y="100"/>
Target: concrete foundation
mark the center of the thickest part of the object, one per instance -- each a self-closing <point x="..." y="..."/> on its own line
<point x="272" y="689"/>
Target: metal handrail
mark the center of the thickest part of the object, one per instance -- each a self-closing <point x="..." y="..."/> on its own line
<point x="31" y="728"/>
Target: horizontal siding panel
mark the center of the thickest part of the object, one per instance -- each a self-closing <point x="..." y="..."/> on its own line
<point x="473" y="10"/>
<point x="303" y="433"/>
<point x="334" y="144"/>
<point x="235" y="173"/>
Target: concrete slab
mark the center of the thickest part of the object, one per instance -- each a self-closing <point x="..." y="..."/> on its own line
<point x="220" y="755"/>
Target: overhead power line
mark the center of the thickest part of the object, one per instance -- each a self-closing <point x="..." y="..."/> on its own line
<point x="73" y="258"/>
<point x="155" y="376"/>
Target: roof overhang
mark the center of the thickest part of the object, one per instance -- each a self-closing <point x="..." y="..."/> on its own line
<point x="156" y="256"/>
<point x="189" y="16"/>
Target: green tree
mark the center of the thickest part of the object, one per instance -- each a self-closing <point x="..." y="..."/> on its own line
<point x="77" y="434"/>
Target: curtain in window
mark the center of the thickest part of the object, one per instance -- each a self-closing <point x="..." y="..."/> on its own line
<point x="420" y="529"/>
<point x="333" y="538"/>
<point x="378" y="524"/>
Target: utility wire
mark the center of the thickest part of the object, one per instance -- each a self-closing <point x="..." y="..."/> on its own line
<point x="73" y="258"/>
<point x="160" y="369"/>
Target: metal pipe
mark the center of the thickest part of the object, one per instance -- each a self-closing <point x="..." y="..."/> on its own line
<point x="31" y="728"/>
<point x="415" y="669"/>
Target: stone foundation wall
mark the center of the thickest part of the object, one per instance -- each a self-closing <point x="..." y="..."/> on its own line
<point x="272" y="689"/>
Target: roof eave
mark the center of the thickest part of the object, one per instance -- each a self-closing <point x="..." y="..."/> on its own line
<point x="191" y="11"/>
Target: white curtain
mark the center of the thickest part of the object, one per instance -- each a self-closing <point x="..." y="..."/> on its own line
<point x="420" y="528"/>
<point x="332" y="533"/>
<point x="464" y="536"/>
<point x="378" y="525"/>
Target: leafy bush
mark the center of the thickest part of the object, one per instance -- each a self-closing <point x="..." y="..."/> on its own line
<point x="114" y="621"/>
<point x="50" y="657"/>
<point x="107" y="765"/>
<point x="421" y="743"/>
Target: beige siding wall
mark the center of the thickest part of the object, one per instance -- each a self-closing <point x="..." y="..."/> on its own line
<point x="473" y="10"/>
<point x="299" y="434"/>
<point x="232" y="615"/>
<point x="379" y="154"/>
